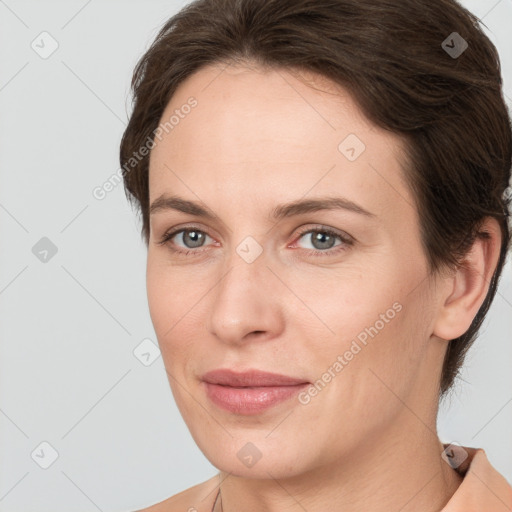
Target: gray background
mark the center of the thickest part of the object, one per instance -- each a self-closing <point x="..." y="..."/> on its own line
<point x="69" y="326"/>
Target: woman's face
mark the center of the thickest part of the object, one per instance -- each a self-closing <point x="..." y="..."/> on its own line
<point x="351" y="312"/>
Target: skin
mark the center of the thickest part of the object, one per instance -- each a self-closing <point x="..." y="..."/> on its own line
<point x="368" y="440"/>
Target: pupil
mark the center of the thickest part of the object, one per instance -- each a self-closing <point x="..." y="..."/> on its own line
<point x="197" y="236"/>
<point x="320" y="237"/>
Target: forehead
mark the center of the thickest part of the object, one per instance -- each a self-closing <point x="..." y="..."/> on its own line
<point x="263" y="132"/>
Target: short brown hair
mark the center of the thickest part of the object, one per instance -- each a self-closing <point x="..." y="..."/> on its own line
<point x="392" y="57"/>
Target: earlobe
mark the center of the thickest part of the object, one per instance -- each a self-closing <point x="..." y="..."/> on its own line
<point x="467" y="287"/>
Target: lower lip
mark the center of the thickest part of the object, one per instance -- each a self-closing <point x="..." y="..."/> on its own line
<point x="250" y="401"/>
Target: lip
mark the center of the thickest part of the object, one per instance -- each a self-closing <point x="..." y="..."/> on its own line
<point x="250" y="378"/>
<point x="250" y="392"/>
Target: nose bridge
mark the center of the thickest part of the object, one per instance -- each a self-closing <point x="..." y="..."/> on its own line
<point x="247" y="261"/>
<point x="242" y="302"/>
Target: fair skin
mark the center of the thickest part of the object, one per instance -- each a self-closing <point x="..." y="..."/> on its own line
<point x="368" y="440"/>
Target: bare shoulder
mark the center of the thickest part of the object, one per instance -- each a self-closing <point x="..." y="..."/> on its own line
<point x="199" y="498"/>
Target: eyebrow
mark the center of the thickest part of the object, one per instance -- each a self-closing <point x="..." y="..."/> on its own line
<point x="282" y="211"/>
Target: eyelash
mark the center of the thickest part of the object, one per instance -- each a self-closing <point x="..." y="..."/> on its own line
<point x="345" y="239"/>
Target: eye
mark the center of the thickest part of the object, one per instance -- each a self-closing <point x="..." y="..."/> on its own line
<point x="323" y="240"/>
<point x="191" y="238"/>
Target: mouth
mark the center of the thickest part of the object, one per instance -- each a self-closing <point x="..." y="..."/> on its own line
<point x="250" y="392"/>
<point x="250" y="378"/>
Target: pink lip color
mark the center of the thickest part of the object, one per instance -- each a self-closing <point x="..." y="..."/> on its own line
<point x="249" y="400"/>
<point x="251" y="391"/>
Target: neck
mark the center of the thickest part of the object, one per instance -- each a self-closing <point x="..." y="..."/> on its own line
<point x="403" y="473"/>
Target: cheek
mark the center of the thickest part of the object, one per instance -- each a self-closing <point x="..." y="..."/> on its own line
<point x="166" y="292"/>
<point x="376" y="324"/>
<point x="156" y="287"/>
<point x="391" y="345"/>
<point x="351" y="304"/>
<point x="175" y="296"/>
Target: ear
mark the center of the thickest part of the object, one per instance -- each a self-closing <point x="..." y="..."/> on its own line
<point x="467" y="287"/>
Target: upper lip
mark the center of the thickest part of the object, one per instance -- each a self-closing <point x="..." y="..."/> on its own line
<point x="249" y="378"/>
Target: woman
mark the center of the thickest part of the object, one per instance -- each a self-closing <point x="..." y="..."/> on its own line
<point x="322" y="186"/>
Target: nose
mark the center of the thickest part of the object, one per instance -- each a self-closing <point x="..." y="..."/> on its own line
<point x="247" y="303"/>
